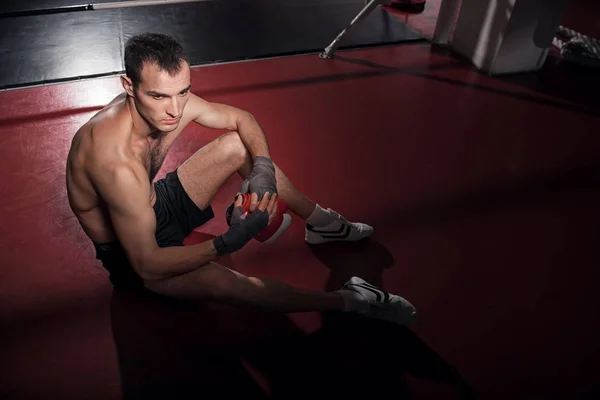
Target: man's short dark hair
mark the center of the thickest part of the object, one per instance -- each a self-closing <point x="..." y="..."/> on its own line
<point x="155" y="48"/>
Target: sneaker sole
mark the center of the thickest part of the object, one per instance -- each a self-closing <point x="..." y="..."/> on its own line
<point x="315" y="238"/>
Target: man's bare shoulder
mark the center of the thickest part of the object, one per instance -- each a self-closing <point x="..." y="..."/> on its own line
<point x="106" y="136"/>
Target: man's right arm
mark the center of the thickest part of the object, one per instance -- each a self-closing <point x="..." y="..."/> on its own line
<point x="126" y="189"/>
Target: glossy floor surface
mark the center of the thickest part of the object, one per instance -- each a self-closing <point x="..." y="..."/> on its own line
<point x="483" y="193"/>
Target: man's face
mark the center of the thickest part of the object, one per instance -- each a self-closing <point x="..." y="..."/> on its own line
<point x="161" y="98"/>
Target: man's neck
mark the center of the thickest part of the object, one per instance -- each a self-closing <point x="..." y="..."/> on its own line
<point x="141" y="128"/>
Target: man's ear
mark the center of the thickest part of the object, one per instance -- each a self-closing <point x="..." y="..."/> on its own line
<point x="127" y="85"/>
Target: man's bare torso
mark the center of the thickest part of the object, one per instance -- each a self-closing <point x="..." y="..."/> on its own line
<point x="108" y="137"/>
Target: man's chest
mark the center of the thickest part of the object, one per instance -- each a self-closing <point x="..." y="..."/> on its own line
<point x="153" y="152"/>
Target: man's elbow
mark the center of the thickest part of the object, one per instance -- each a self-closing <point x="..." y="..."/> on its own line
<point x="146" y="275"/>
<point x="145" y="268"/>
<point x="246" y="116"/>
<point x="253" y="119"/>
<point x="144" y="272"/>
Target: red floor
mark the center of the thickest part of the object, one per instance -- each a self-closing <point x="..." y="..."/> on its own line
<point x="483" y="194"/>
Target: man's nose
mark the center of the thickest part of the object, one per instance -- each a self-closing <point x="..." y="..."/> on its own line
<point x="174" y="109"/>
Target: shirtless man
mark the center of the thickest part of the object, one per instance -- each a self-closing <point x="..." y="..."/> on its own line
<point x="138" y="226"/>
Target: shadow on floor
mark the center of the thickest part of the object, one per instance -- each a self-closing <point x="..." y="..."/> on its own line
<point x="497" y="195"/>
<point x="564" y="80"/>
<point x="572" y="88"/>
<point x="182" y="350"/>
<point x="560" y="79"/>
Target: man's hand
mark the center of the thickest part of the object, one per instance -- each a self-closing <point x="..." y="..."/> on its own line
<point x="244" y="226"/>
<point x="271" y="206"/>
<point x="260" y="181"/>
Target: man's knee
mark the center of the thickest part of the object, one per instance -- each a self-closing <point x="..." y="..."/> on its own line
<point x="233" y="148"/>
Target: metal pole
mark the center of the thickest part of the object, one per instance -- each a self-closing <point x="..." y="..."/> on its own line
<point x="364" y="13"/>
<point x="449" y="10"/>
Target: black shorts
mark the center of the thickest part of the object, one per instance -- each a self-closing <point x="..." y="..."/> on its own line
<point x="176" y="217"/>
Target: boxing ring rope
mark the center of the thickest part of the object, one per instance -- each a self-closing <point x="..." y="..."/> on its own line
<point x="140" y="3"/>
<point x="94" y="7"/>
<point x="102" y="6"/>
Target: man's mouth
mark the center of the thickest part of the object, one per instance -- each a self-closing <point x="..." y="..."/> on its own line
<point x="171" y="121"/>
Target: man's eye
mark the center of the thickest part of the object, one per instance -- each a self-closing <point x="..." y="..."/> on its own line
<point x="184" y="92"/>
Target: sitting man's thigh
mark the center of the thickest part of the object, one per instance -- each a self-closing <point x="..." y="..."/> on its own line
<point x="208" y="169"/>
<point x="211" y="281"/>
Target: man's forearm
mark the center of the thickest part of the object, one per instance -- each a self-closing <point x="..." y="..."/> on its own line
<point x="253" y="137"/>
<point x="165" y="262"/>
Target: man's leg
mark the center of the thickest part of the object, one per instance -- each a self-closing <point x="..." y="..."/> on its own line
<point x="207" y="170"/>
<point x="201" y="176"/>
<point x="218" y="283"/>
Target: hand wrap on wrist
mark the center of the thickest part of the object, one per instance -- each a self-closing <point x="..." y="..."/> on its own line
<point x="242" y="228"/>
<point x="261" y="179"/>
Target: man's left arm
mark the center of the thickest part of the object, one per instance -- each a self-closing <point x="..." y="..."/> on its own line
<point x="221" y="116"/>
